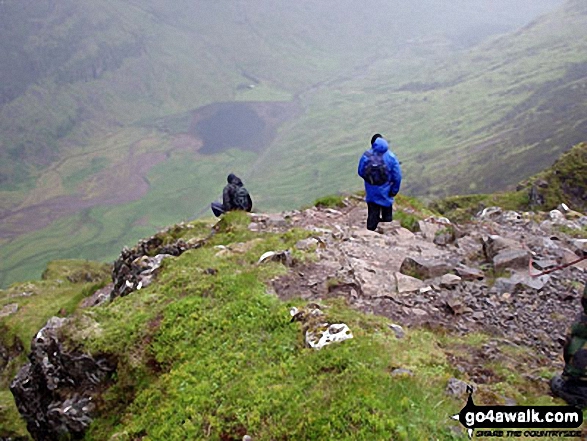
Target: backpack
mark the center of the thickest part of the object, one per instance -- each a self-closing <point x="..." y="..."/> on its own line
<point x="376" y="171"/>
<point x="242" y="200"/>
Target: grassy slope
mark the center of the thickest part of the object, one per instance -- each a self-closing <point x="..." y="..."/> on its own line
<point x="212" y="355"/>
<point x="207" y="355"/>
<point x="566" y="183"/>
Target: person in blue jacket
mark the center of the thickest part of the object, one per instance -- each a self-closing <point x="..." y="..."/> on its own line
<point x="381" y="172"/>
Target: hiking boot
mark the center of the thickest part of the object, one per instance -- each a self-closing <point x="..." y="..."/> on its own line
<point x="572" y="391"/>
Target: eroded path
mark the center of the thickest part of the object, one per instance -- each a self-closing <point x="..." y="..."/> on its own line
<point x="464" y="293"/>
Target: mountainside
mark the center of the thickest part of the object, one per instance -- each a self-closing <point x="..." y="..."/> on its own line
<point x="76" y="66"/>
<point x="188" y="334"/>
<point x="201" y="345"/>
<point x="114" y="137"/>
<point x="476" y="122"/>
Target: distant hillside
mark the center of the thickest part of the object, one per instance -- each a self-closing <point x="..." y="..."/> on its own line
<point x="102" y="104"/>
<point x="564" y="182"/>
<point x="73" y="68"/>
<point x="477" y="122"/>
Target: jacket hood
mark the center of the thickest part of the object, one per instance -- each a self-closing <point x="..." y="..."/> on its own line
<point x="380" y="146"/>
<point x="235" y="180"/>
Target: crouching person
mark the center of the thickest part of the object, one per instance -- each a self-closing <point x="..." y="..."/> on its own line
<point x="234" y="197"/>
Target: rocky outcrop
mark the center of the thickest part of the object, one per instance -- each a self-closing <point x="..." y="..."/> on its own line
<point x="489" y="279"/>
<point x="136" y="267"/>
<point x="56" y="391"/>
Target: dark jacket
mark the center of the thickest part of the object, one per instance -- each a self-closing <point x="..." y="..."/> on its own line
<point x="382" y="194"/>
<point x="229" y="194"/>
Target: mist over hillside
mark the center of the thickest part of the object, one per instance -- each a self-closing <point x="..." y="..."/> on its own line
<point x="72" y="64"/>
<point x="109" y="111"/>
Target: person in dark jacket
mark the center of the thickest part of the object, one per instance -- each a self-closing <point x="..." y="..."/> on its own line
<point x="234" y="197"/>
<point x="379" y="196"/>
<point x="571" y="386"/>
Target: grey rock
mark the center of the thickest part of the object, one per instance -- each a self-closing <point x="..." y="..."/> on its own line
<point x="419" y="312"/>
<point x="517" y="281"/>
<point x="399" y="372"/>
<point x="276" y="220"/>
<point x="489" y="213"/>
<point x="449" y="281"/>
<point x="402" y="234"/>
<point x="9" y="309"/>
<point x="579" y="247"/>
<point x="398" y="330"/>
<point x="467" y="273"/>
<point x="445" y="236"/>
<point x="544" y="264"/>
<point x="428" y="229"/>
<point x="307" y="244"/>
<point x="424" y="268"/>
<point x="283" y="257"/>
<point x="556" y="217"/>
<point x="54" y="392"/>
<point x="99" y="297"/>
<point x="515" y="259"/>
<point x="495" y="244"/>
<point x="407" y="284"/>
<point x="457" y="388"/>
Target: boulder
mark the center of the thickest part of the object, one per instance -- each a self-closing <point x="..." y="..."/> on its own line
<point x="515" y="259"/>
<point x="467" y="273"/>
<point x="445" y="236"/>
<point x="520" y="281"/>
<point x="408" y="284"/>
<point x="424" y="268"/>
<point x="494" y="244"/>
<point x="429" y="229"/>
<point x="9" y="309"/>
<point x="458" y="388"/>
<point x="56" y="390"/>
<point x="449" y="281"/>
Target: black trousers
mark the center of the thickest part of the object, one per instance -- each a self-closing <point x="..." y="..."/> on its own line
<point x="377" y="213"/>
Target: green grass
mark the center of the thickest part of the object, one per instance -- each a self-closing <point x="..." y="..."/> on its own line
<point x="331" y="201"/>
<point x="65" y="284"/>
<point x="463" y="208"/>
<point x="181" y="189"/>
<point x="11" y="424"/>
<point x="229" y="362"/>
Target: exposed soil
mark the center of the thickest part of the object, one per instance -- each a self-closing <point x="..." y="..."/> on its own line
<point x="224" y="127"/>
<point x="122" y="183"/>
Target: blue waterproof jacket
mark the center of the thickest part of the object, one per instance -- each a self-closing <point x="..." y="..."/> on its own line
<point x="382" y="194"/>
